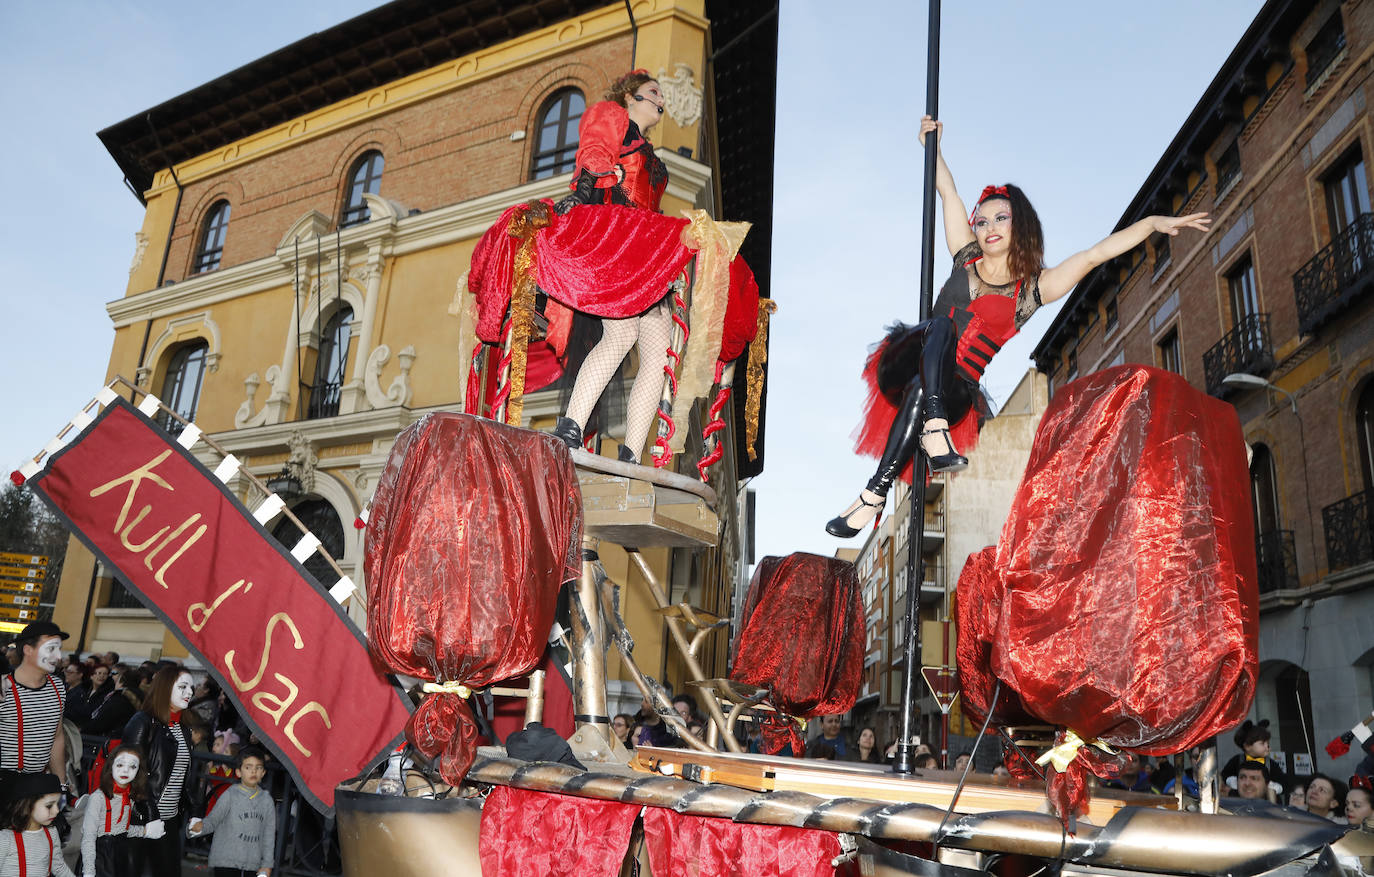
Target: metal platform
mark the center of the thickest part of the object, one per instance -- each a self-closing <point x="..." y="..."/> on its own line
<point x="643" y="507"/>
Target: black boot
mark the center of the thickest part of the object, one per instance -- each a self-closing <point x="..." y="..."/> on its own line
<point x="626" y="455"/>
<point x="567" y="429"/>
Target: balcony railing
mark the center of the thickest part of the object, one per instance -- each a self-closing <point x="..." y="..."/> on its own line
<point x="324" y="400"/>
<point x="1278" y="561"/>
<point x="1245" y="348"/>
<point x="1346" y="524"/>
<point x="1336" y="276"/>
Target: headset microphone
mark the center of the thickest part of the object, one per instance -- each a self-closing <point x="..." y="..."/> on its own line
<point x="640" y="97"/>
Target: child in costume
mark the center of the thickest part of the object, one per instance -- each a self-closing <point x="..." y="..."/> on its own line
<point x="1254" y="740"/>
<point x="923" y="379"/>
<point x="105" y="827"/>
<point x="29" y="845"/>
<point x="244" y="821"/>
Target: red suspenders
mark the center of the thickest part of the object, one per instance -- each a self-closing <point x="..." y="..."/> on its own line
<point x="23" y="863"/>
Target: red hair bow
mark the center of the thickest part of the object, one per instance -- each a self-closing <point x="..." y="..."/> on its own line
<point x="1362" y="782"/>
<point x="988" y="192"/>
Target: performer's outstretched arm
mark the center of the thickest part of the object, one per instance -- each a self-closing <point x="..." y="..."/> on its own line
<point x="957" y="232"/>
<point x="1057" y="281"/>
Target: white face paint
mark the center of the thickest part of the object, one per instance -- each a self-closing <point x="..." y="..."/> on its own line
<point x="49" y="653"/>
<point x="182" y="691"/>
<point x="124" y="768"/>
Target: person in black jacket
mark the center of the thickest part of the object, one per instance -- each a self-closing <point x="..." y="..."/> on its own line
<point x="157" y="730"/>
<point x="114" y="712"/>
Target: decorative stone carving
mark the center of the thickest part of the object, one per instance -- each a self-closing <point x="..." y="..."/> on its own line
<point x="399" y="392"/>
<point x="277" y="397"/>
<point x="301" y="459"/>
<point x="360" y="481"/>
<point x="140" y="247"/>
<point x="455" y="307"/>
<point x="681" y="96"/>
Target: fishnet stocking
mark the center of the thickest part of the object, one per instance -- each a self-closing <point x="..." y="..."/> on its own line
<point x="651" y="329"/>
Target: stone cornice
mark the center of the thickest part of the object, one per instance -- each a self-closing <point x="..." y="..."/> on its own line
<point x="689" y="181"/>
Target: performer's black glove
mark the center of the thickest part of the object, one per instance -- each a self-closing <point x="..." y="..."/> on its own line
<point x="583" y="193"/>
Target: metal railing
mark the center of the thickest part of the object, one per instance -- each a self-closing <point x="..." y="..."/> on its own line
<point x="1346" y="524"/>
<point x="122" y="598"/>
<point x="1336" y="276"/>
<point x="1245" y="348"/>
<point x="307" y="843"/>
<point x="324" y="400"/>
<point x="1278" y="561"/>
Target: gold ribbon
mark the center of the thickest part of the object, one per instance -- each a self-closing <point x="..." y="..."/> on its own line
<point x="1065" y="752"/>
<point x="457" y="688"/>
<point x="523" y="225"/>
<point x="753" y="396"/>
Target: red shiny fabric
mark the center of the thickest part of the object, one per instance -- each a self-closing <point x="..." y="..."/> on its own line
<point x="474" y="527"/>
<point x="741" y="311"/>
<point x="601" y="146"/>
<point x="1122" y="600"/>
<point x="803" y="605"/>
<point x="608" y="261"/>
<point x="542" y="834"/>
<point x="685" y="845"/>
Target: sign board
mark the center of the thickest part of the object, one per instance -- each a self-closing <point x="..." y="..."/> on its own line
<point x="10" y="558"/>
<point x="11" y="600"/>
<point x="1302" y="764"/>
<point x="23" y="572"/>
<point x="16" y="613"/>
<point x="11" y="587"/>
<point x="10" y="627"/>
<point x="944" y="685"/>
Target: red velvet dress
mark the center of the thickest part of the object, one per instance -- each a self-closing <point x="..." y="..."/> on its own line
<point x="608" y="138"/>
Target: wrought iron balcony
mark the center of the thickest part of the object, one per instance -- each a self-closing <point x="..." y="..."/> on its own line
<point x="1278" y="561"/>
<point x="1245" y="349"/>
<point x="1336" y="276"/>
<point x="1346" y="524"/>
<point x="324" y="400"/>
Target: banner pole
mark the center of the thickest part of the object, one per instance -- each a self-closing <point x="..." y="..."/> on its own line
<point x="904" y="761"/>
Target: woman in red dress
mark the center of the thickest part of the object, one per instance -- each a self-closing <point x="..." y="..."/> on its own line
<point x="923" y="379"/>
<point x="615" y="164"/>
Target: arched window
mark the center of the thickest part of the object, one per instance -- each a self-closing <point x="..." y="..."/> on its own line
<point x="321" y="519"/>
<point x="555" y="145"/>
<point x="330" y="365"/>
<point x="212" y="238"/>
<point x="181" y="386"/>
<point x="366" y="176"/>
<point x="1364" y="429"/>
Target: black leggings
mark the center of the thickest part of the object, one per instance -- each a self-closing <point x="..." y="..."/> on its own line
<point x="161" y="857"/>
<point x="917" y="371"/>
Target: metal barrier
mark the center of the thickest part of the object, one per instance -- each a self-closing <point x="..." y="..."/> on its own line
<point x="307" y="843"/>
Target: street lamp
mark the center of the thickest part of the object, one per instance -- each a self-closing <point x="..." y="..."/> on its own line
<point x="1243" y="381"/>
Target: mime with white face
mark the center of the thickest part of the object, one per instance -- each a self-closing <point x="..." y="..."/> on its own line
<point x="31" y="703"/>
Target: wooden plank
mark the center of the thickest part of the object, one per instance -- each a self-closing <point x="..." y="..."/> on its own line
<point x="838" y="779"/>
<point x="10" y="557"/>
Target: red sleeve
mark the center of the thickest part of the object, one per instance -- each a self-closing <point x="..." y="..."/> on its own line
<point x="600" y="134"/>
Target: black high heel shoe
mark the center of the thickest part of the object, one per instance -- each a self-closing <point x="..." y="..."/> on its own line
<point x="567" y="429"/>
<point x="839" y="526"/>
<point x="951" y="462"/>
<point x="625" y="455"/>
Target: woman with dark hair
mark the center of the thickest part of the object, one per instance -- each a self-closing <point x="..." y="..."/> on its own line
<point x="923" y="379"/>
<point x="157" y="731"/>
<point x="866" y="746"/>
<point x="1326" y="797"/>
<point x="615" y="164"/>
<point x="115" y="710"/>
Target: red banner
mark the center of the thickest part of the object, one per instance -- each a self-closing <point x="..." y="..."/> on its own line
<point x="296" y="666"/>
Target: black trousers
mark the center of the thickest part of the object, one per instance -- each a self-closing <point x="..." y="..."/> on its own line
<point x="161" y="857"/>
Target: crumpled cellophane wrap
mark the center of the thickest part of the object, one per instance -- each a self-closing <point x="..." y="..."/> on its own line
<point x="802" y="639"/>
<point x="474" y="527"/>
<point x="1121" y="601"/>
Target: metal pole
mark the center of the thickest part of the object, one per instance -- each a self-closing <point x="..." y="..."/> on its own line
<point x="915" y="574"/>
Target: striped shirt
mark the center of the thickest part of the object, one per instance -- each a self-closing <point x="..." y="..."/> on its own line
<point x="170" y="800"/>
<point x="38" y="851"/>
<point x="105" y="816"/>
<point x="29" y="721"/>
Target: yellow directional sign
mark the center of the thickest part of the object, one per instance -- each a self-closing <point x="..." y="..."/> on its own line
<point x="10" y="627"/>
<point x="23" y="572"/>
<point x="11" y="600"/>
<point x="7" y="585"/>
<point x="14" y="613"/>
<point x="24" y="559"/>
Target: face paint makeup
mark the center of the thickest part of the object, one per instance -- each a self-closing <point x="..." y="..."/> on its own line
<point x="124" y="768"/>
<point x="49" y="653"/>
<point x="182" y="691"/>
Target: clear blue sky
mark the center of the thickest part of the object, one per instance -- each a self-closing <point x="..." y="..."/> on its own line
<point x="1074" y="101"/>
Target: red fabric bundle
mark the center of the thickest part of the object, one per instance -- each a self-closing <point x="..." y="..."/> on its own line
<point x="802" y="605"/>
<point x="474" y="527"/>
<point x="741" y="311"/>
<point x="542" y="834"/>
<point x="1121" y="601"/>
<point x="685" y="845"/>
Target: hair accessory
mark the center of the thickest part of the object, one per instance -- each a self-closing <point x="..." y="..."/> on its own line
<point x="228" y="736"/>
<point x="1362" y="782"/>
<point x="639" y="70"/>
<point x="988" y="192"/>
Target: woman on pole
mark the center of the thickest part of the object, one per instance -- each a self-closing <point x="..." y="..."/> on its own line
<point x="923" y="379"/>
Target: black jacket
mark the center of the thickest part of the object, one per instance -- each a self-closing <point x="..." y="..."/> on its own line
<point x="159" y="746"/>
<point x="113" y="713"/>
